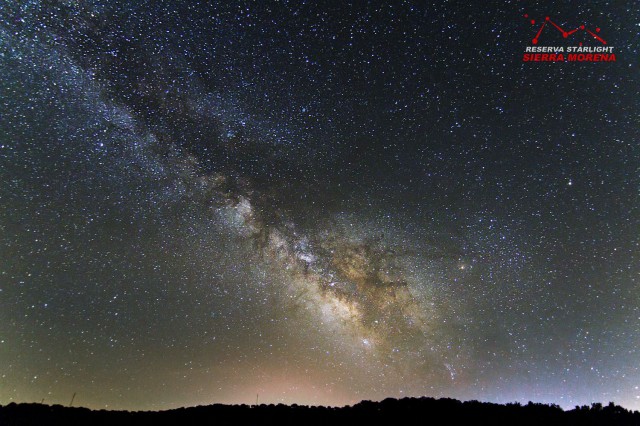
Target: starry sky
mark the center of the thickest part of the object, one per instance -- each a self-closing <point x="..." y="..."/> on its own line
<point x="316" y="203"/>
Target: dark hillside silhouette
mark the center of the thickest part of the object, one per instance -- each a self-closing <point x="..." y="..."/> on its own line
<point x="407" y="411"/>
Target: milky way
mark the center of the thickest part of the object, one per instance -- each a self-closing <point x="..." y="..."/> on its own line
<point x="315" y="204"/>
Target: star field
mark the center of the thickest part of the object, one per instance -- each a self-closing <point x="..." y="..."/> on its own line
<point x="316" y="204"/>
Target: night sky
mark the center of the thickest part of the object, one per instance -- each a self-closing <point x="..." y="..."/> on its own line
<point x="316" y="203"/>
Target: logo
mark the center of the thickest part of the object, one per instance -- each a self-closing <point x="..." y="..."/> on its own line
<point x="590" y="45"/>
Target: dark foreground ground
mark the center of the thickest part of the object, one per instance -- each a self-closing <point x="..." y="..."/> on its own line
<point x="408" y="411"/>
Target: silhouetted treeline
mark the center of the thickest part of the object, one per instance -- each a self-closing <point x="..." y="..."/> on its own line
<point x="407" y="411"/>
